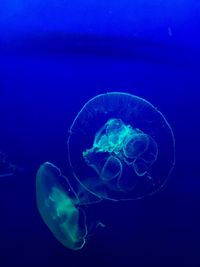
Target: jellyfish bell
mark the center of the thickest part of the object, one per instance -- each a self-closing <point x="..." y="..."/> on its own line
<point x="7" y="168"/>
<point x="120" y="147"/>
<point x="60" y="207"/>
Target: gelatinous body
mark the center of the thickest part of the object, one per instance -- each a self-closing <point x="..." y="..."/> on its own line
<point x="7" y="168"/>
<point x="59" y="207"/>
<point x="121" y="147"/>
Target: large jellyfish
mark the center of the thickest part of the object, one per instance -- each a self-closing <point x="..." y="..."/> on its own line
<point x="120" y="147"/>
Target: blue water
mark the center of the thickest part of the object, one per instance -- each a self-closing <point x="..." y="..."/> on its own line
<point x="54" y="57"/>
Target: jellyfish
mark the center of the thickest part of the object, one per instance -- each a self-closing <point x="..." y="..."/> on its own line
<point x="7" y="168"/>
<point x="121" y="147"/>
<point x="60" y="206"/>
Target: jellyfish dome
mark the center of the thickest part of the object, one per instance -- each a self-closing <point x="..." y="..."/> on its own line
<point x="121" y="147"/>
<point x="59" y="207"/>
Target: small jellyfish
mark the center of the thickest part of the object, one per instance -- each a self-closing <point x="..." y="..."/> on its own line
<point x="59" y="207"/>
<point x="7" y="168"/>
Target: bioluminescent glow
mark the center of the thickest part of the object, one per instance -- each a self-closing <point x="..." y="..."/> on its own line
<point x="120" y="147"/>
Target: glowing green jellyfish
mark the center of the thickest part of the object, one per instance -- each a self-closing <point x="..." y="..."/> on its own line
<point x="121" y="147"/>
<point x="59" y="207"/>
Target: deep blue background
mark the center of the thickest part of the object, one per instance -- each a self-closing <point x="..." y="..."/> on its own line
<point x="55" y="56"/>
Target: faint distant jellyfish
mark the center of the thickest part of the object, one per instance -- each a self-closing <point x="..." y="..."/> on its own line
<point x="120" y="147"/>
<point x="7" y="168"/>
<point x="60" y="207"/>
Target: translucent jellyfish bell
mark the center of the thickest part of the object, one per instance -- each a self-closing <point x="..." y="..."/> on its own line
<point x="7" y="168"/>
<point x="60" y="207"/>
<point x="120" y="147"/>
